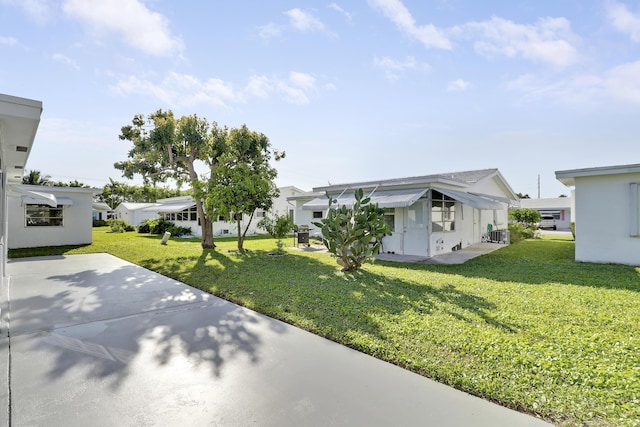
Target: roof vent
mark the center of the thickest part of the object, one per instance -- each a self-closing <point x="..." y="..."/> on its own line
<point x="22" y="149"/>
<point x="18" y="167"/>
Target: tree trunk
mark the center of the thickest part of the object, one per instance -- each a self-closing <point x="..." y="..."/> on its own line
<point x="206" y="226"/>
<point x="207" y="233"/>
<point x="240" y="237"/>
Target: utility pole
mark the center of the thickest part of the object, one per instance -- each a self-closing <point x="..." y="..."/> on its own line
<point x="538" y="186"/>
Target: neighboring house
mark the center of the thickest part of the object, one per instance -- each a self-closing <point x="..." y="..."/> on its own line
<point x="49" y="216"/>
<point x="428" y="215"/>
<point x="101" y="211"/>
<point x="182" y="212"/>
<point x="559" y="208"/>
<point x="133" y="213"/>
<point x="19" y="119"/>
<point x="282" y="204"/>
<point x="606" y="213"/>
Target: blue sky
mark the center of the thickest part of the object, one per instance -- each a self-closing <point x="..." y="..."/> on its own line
<point x="352" y="91"/>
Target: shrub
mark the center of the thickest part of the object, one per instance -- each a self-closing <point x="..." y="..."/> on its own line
<point x="355" y="234"/>
<point x="119" y="225"/>
<point x="160" y="226"/>
<point x="572" y="226"/>
<point x="525" y="216"/>
<point x="519" y="232"/>
<point x="147" y="225"/>
<point x="277" y="227"/>
<point x="99" y="222"/>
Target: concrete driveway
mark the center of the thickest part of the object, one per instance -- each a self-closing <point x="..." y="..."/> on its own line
<point x="94" y="340"/>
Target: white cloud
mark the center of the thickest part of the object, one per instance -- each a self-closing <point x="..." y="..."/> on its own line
<point x="298" y="88"/>
<point x="550" y="40"/>
<point x="458" y="85"/>
<point x="66" y="60"/>
<point x="624" y="20"/>
<point x="269" y="31"/>
<point x="38" y="10"/>
<point x="623" y="82"/>
<point x="303" y="21"/>
<point x="302" y="80"/>
<point x="131" y="20"/>
<point x="394" y="68"/>
<point x="620" y="84"/>
<point x="8" y="41"/>
<point x="429" y="35"/>
<point x="183" y="90"/>
<point x="337" y="8"/>
<point x="259" y="86"/>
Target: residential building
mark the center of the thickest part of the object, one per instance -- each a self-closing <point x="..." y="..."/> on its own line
<point x="606" y="212"/>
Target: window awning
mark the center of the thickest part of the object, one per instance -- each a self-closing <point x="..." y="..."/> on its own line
<point x="384" y="199"/>
<point x="37" y="198"/>
<point x="471" y="199"/>
<point x="169" y="208"/>
<point x="100" y="206"/>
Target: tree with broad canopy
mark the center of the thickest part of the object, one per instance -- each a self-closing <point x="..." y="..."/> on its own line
<point x="165" y="147"/>
<point x="244" y="177"/>
<point x="238" y="177"/>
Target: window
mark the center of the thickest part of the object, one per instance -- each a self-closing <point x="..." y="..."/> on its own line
<point x="43" y="216"/>
<point x="259" y="214"/>
<point x="390" y="218"/>
<point x="317" y="214"/>
<point x="221" y="218"/>
<point x="291" y="214"/>
<point x="237" y="217"/>
<point x="443" y="212"/>
<point x="170" y="216"/>
<point x="190" y="214"/>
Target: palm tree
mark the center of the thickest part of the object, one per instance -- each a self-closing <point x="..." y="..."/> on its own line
<point x="35" y="177"/>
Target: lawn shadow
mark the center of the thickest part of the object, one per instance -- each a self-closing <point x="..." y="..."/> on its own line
<point x="316" y="295"/>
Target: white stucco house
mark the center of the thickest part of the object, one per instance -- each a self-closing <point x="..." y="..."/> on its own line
<point x="182" y="212"/>
<point x="428" y="215"/>
<point x="282" y="204"/>
<point x="101" y="211"/>
<point x="559" y="208"/>
<point x="134" y="213"/>
<point x="19" y="120"/>
<point x="49" y="216"/>
<point x="606" y="212"/>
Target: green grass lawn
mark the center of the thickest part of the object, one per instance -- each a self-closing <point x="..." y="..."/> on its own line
<point x="524" y="326"/>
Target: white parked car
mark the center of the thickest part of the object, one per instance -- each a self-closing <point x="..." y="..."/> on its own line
<point x="547" y="221"/>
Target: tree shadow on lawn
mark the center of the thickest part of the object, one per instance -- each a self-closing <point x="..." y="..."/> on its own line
<point x="539" y="262"/>
<point x="106" y="322"/>
<point x="305" y="291"/>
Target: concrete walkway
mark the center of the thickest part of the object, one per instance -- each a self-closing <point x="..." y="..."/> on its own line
<point x="94" y="340"/>
<point x="455" y="257"/>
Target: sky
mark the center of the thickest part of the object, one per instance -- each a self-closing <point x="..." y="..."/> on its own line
<point x="350" y="90"/>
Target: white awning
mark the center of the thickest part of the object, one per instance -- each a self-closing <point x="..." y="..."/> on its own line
<point x="384" y="199"/>
<point x="101" y="206"/>
<point x="169" y="208"/>
<point x="471" y="199"/>
<point x="506" y="200"/>
<point x="37" y="198"/>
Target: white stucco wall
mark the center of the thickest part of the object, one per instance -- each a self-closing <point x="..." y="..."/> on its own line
<point x="134" y="216"/>
<point x="77" y="220"/>
<point x="603" y="220"/>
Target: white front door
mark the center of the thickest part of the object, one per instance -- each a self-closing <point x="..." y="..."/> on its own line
<point x="415" y="231"/>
